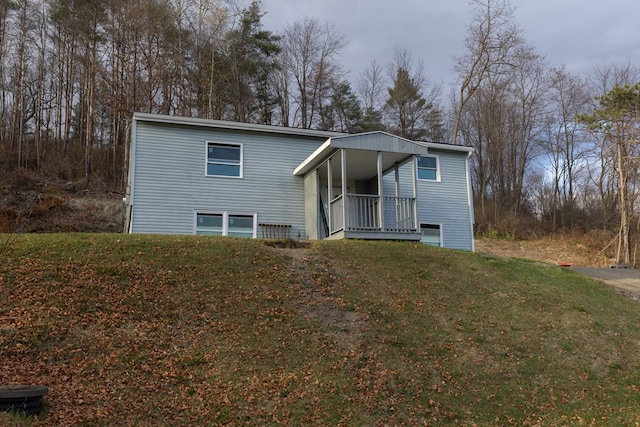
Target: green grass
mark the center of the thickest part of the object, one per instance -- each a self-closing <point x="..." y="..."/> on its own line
<point x="168" y="330"/>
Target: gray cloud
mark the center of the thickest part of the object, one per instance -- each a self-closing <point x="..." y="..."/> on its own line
<point x="580" y="34"/>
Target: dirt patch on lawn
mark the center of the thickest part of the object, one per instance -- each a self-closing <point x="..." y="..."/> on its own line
<point x="313" y="278"/>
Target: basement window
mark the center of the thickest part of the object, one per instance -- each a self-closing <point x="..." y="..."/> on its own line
<point x="431" y="234"/>
<point x="226" y="224"/>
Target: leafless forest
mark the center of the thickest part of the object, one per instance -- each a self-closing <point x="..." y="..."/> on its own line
<point x="555" y="151"/>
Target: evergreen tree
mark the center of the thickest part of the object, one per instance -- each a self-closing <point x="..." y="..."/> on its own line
<point x="251" y="59"/>
<point x="409" y="112"/>
<point x="343" y="113"/>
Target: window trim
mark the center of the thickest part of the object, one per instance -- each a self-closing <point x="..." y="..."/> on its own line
<point x="433" y="156"/>
<point x="228" y="144"/>
<point x="225" y="220"/>
<point x="440" y="229"/>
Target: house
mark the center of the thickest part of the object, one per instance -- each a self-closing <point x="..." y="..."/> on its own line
<point x="196" y="176"/>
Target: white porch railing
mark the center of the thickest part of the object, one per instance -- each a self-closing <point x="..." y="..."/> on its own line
<point x="399" y="214"/>
<point x="364" y="214"/>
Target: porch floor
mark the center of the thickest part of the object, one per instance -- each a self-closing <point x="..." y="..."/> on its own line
<point x="374" y="235"/>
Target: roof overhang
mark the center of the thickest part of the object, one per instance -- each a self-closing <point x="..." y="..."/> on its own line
<point x="399" y="148"/>
<point x="318" y="156"/>
<point x="223" y="124"/>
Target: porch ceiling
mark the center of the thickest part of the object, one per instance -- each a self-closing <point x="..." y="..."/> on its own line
<point x="362" y="152"/>
<point x="363" y="164"/>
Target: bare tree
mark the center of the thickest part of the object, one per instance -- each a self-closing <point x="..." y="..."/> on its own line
<point x="529" y="89"/>
<point x="309" y="55"/>
<point x="564" y="143"/>
<point x="65" y="44"/>
<point x="371" y="85"/>
<point x="491" y="37"/>
<point x="5" y="9"/>
<point x="42" y="108"/>
<point x="502" y="121"/>
<point x="607" y="76"/>
<point x="21" y="78"/>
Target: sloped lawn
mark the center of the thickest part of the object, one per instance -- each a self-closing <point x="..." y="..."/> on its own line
<point x="167" y="330"/>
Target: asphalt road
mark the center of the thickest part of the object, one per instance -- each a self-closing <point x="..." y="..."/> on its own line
<point x="626" y="280"/>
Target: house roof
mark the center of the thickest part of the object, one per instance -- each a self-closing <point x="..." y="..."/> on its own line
<point x="392" y="143"/>
<point x="376" y="137"/>
<point x="373" y="141"/>
<point x="223" y="124"/>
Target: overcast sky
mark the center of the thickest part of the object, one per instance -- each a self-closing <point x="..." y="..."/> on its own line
<point x="580" y="34"/>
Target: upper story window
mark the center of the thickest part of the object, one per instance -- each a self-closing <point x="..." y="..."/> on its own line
<point x="224" y="160"/>
<point x="428" y="168"/>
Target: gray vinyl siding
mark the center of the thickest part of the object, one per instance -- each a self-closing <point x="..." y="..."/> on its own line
<point x="170" y="183"/>
<point x="447" y="202"/>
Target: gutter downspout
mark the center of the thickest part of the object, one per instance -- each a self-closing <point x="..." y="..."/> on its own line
<point x="129" y="192"/>
<point x="470" y="202"/>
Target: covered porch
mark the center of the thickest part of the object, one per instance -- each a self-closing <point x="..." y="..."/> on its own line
<point x="354" y="188"/>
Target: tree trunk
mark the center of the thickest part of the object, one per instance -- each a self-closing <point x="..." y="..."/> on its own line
<point x="624" y="252"/>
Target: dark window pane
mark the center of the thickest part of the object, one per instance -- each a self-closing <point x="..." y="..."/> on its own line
<point x="224" y="152"/>
<point x="427" y="162"/>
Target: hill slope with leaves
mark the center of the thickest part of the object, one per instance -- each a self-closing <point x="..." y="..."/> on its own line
<point x="190" y="330"/>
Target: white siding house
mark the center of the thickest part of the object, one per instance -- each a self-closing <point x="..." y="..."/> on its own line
<point x="195" y="176"/>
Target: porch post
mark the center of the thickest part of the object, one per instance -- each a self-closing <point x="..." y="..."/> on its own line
<point x="397" y="173"/>
<point x="399" y="222"/>
<point x="414" y="175"/>
<point x="380" y="198"/>
<point x="329" y="195"/>
<point x="345" y="199"/>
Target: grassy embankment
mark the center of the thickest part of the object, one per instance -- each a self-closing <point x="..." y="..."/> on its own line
<point x="161" y="330"/>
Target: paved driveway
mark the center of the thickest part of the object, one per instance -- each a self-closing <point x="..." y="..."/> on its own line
<point x="626" y="280"/>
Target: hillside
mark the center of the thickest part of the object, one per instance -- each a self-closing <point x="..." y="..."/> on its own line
<point x="578" y="249"/>
<point x="35" y="203"/>
<point x="186" y="330"/>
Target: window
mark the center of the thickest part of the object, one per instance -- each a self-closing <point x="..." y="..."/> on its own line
<point x="210" y="225"/>
<point x="224" y="160"/>
<point x="431" y="234"/>
<point x="226" y="224"/>
<point x="240" y="226"/>
<point x="428" y="168"/>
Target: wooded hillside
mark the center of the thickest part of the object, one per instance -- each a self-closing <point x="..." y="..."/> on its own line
<point x="554" y="150"/>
